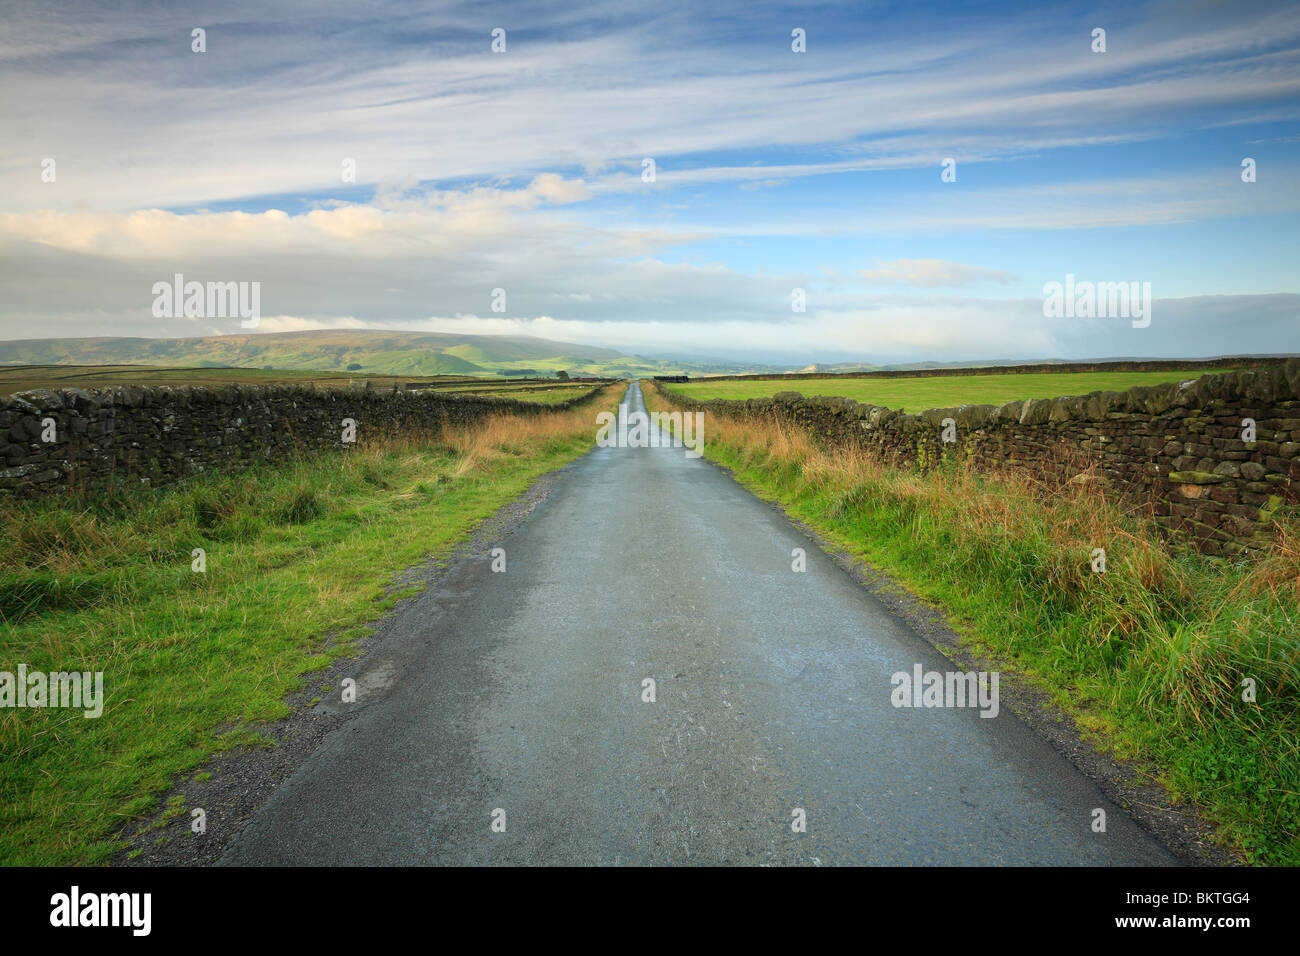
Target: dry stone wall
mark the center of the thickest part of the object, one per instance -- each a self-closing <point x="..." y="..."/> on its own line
<point x="53" y="442"/>
<point x="1181" y="446"/>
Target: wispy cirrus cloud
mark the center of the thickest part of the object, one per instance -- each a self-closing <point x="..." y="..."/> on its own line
<point x="285" y="92"/>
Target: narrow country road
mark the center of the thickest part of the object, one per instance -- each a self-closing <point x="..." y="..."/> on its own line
<point x="522" y="691"/>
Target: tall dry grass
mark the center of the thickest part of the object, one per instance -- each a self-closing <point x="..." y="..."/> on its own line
<point x="511" y="434"/>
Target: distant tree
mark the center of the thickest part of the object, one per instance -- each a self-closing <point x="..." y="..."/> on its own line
<point x="562" y="375"/>
<point x="354" y="367"/>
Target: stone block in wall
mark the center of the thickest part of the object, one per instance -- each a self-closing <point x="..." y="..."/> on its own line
<point x="1196" y="477"/>
<point x="1223" y="493"/>
<point x="1036" y="411"/>
<point x="1010" y="412"/>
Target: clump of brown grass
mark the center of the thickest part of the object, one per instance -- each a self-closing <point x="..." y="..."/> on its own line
<point x="512" y="433"/>
<point x="1278" y="573"/>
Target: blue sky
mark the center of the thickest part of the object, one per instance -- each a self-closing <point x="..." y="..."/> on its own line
<point x="775" y="170"/>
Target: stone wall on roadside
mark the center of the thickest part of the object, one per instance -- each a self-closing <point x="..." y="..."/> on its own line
<point x="56" y="441"/>
<point x="1179" y="446"/>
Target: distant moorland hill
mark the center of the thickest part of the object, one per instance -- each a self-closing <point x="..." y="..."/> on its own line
<point x="365" y="351"/>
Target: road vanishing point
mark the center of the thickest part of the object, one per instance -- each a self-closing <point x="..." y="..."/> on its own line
<point x="517" y="698"/>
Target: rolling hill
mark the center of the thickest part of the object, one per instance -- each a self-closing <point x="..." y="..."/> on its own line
<point x="394" y="353"/>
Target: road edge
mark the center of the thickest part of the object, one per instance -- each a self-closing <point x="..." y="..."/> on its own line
<point x="244" y="778"/>
<point x="1180" y="829"/>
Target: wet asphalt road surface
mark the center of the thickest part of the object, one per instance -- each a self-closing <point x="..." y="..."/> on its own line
<point x="518" y="696"/>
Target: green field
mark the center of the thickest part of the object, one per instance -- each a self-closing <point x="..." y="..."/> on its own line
<point x="24" y="377"/>
<point x="546" y="394"/>
<point x="944" y="391"/>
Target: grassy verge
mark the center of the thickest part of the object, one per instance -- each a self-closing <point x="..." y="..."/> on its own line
<point x="1148" y="657"/>
<point x="544" y="394"/>
<point x="941" y="391"/>
<point x="297" y="560"/>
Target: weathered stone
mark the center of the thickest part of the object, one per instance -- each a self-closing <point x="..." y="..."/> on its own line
<point x="1196" y="477"/>
<point x="21" y="471"/>
<point x="1159" y="398"/>
<point x="46" y="399"/>
<point x="1036" y="411"/>
<point x="977" y="416"/>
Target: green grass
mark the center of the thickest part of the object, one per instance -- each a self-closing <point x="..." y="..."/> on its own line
<point x="544" y="394"/>
<point x="299" y="558"/>
<point x="22" y="378"/>
<point x="944" y="391"/>
<point x="1148" y="657"/>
